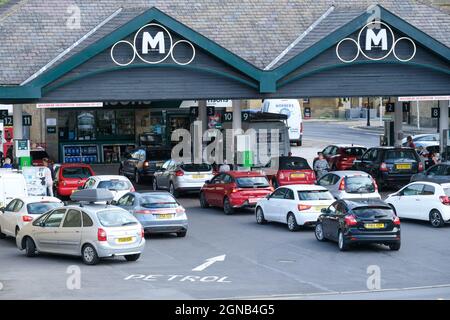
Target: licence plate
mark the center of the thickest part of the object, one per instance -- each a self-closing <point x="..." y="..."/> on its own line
<point x="403" y="166"/>
<point x="253" y="200"/>
<point x="374" y="225"/>
<point x="164" y="216"/>
<point x="297" y="175"/>
<point x="124" y="240"/>
<point x="198" y="176"/>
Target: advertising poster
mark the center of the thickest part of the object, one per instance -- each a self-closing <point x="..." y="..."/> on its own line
<point x="35" y="178"/>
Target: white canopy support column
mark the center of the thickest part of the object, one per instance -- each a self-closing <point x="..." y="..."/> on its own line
<point x="237" y="109"/>
<point x="443" y="123"/>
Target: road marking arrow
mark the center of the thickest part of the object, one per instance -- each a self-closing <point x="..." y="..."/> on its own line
<point x="209" y="262"/>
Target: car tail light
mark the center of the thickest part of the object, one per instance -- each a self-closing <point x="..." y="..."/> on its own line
<point x="350" y="220"/>
<point x="146" y="164"/>
<point x="396" y="221"/>
<point x="445" y="200"/>
<point x="342" y="185"/>
<point x="27" y="218"/>
<point x="142" y="233"/>
<point x="302" y="207"/>
<point x="101" y="235"/>
<point x="179" y="173"/>
<point x="420" y="167"/>
<point x="383" y="167"/>
<point x="143" y="211"/>
<point x="180" y="210"/>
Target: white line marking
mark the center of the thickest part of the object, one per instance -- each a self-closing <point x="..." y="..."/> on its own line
<point x="209" y="262"/>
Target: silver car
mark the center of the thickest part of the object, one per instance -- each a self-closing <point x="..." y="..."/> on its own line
<point x="92" y="231"/>
<point x="178" y="177"/>
<point x="349" y="184"/>
<point x="157" y="211"/>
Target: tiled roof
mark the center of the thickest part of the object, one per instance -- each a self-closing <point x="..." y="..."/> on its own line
<point x="33" y="32"/>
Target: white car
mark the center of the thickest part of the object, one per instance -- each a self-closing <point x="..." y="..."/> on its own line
<point x="424" y="140"/>
<point x="294" y="205"/>
<point x="350" y="184"/>
<point x="118" y="185"/>
<point x="21" y="211"/>
<point x="423" y="201"/>
<point x="92" y="231"/>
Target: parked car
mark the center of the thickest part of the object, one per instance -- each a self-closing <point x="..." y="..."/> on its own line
<point x="118" y="185"/>
<point x="350" y="184"/>
<point x="235" y="189"/>
<point x="286" y="170"/>
<point x="390" y="166"/>
<point x="422" y="200"/>
<point x="143" y="162"/>
<point x="37" y="155"/>
<point x="423" y="140"/>
<point x="359" y="221"/>
<point x="157" y="211"/>
<point x="179" y="178"/>
<point x="69" y="177"/>
<point x="23" y="210"/>
<point x="341" y="156"/>
<point x="295" y="205"/>
<point x="12" y="185"/>
<point x="92" y="231"/>
<point x="439" y="173"/>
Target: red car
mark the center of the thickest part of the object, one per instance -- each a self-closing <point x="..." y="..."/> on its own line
<point x="70" y="176"/>
<point x="234" y="189"/>
<point x="341" y="157"/>
<point x="283" y="171"/>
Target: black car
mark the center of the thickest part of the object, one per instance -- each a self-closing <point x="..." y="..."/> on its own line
<point x="351" y="222"/>
<point x="390" y="166"/>
<point x="143" y="162"/>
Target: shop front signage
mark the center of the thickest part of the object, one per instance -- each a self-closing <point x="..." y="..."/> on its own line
<point x="376" y="41"/>
<point x="152" y="44"/>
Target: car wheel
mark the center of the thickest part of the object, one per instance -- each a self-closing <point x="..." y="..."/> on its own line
<point x="318" y="231"/>
<point x="342" y="243"/>
<point x="275" y="183"/>
<point x="30" y="247"/>
<point x="394" y="246"/>
<point x="2" y="235"/>
<point x="292" y="222"/>
<point x="173" y="191"/>
<point x="137" y="178"/>
<point x="436" y="219"/>
<point x="89" y="255"/>
<point x="203" y="203"/>
<point x="181" y="234"/>
<point x="260" y="216"/>
<point x="132" y="257"/>
<point x="227" y="208"/>
<point x="155" y="183"/>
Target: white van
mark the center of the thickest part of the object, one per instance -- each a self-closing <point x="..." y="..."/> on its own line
<point x="291" y="108"/>
<point x="12" y="185"/>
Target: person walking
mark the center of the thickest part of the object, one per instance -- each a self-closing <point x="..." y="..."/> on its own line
<point x="321" y="166"/>
<point x="49" y="176"/>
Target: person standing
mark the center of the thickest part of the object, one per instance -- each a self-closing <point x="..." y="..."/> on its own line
<point x="224" y="167"/>
<point x="410" y="143"/>
<point x="321" y="166"/>
<point x="7" y="164"/>
<point x="49" y="176"/>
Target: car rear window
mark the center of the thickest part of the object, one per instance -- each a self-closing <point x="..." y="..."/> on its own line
<point x="42" y="207"/>
<point x="252" y="182"/>
<point x="400" y="154"/>
<point x="192" y="167"/>
<point x="359" y="184"/>
<point x="315" y="195"/>
<point x="153" y="155"/>
<point x="357" y="152"/>
<point x="158" y="201"/>
<point x="38" y="155"/>
<point x="115" y="218"/>
<point x="114" y="185"/>
<point x="373" y="212"/>
<point x="447" y="192"/>
<point x="80" y="172"/>
<point x="294" y="163"/>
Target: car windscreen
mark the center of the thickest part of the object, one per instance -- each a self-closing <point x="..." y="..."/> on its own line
<point x="400" y="154"/>
<point x="38" y="155"/>
<point x="252" y="182"/>
<point x="77" y="173"/>
<point x="114" y="185"/>
<point x="115" y="218"/>
<point x="355" y="152"/>
<point x="193" y="167"/>
<point x="359" y="184"/>
<point x="311" y="195"/>
<point x="158" y="201"/>
<point x="294" y="163"/>
<point x="42" y="207"/>
<point x="158" y="155"/>
<point x="373" y="212"/>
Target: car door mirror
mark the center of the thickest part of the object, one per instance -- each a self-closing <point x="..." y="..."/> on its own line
<point x="42" y="224"/>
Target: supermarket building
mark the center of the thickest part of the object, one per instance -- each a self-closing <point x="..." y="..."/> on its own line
<point x="120" y="69"/>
